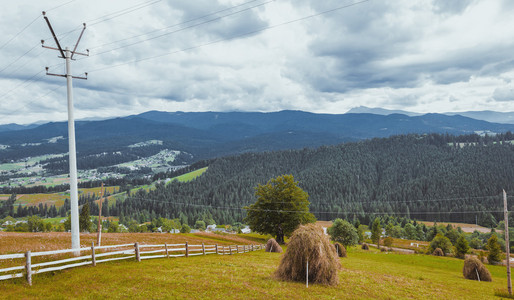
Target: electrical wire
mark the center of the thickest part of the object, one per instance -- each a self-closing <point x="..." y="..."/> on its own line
<point x="230" y="38"/>
<point x="175" y="25"/>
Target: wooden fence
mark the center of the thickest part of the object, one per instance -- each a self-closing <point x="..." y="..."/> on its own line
<point x="102" y="254"/>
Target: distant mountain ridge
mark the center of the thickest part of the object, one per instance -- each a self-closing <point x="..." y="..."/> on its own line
<point x="212" y="134"/>
<point x="484" y="115"/>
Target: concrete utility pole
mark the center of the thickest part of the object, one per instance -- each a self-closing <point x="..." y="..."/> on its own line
<point x="68" y="56"/>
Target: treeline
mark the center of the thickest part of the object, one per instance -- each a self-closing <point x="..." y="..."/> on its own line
<point x="427" y="177"/>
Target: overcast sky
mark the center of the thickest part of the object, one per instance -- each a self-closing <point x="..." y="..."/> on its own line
<point x="236" y="55"/>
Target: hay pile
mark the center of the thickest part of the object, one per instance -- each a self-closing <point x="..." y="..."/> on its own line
<point x="438" y="252"/>
<point x="473" y="268"/>
<point x="273" y="246"/>
<point x="365" y="246"/>
<point x="340" y="250"/>
<point x="308" y="242"/>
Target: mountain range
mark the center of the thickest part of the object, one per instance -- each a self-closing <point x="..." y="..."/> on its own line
<point x="212" y="134"/>
<point x="484" y="115"/>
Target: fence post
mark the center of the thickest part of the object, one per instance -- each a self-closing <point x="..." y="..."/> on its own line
<point x="187" y="250"/>
<point x="203" y="248"/>
<point x="252" y="248"/>
<point x="307" y="276"/>
<point x="28" y="268"/>
<point x="230" y="249"/>
<point x="166" y="247"/>
<point x="217" y="252"/>
<point x="93" y="258"/>
<point x="244" y="248"/>
<point x="138" y="255"/>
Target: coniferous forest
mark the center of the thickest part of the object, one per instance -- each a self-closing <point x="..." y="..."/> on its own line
<point x="426" y="177"/>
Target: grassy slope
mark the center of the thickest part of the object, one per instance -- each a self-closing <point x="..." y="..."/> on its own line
<point x="365" y="274"/>
<point x="191" y="175"/>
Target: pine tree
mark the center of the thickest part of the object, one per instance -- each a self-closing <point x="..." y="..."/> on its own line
<point x="376" y="232"/>
<point x="85" y="219"/>
<point x="495" y="251"/>
<point x="461" y="247"/>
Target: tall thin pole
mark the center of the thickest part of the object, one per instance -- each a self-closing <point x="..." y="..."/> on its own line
<point x="74" y="199"/>
<point x="506" y="219"/>
<point x="99" y="240"/>
<point x="74" y="196"/>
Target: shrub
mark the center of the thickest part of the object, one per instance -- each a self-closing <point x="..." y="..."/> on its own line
<point x="340" y="250"/>
<point x="438" y="252"/>
<point x="475" y="269"/>
<point x="388" y="241"/>
<point x="365" y="246"/>
<point x="309" y="244"/>
<point x="383" y="249"/>
<point x="442" y="242"/>
<point x="185" y="228"/>
<point x="343" y="232"/>
<point x="273" y="246"/>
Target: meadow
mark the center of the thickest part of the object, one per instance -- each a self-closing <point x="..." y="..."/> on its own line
<point x="364" y="275"/>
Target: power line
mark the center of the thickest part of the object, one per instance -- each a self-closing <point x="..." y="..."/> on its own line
<point x="182" y="29"/>
<point x="232" y="37"/>
<point x="178" y="24"/>
<point x="20" y="32"/>
<point x="116" y="14"/>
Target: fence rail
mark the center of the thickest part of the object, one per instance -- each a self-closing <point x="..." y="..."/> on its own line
<point x="112" y="253"/>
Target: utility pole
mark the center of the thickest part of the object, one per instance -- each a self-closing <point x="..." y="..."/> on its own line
<point x="506" y="220"/>
<point x="68" y="56"/>
<point x="99" y="240"/>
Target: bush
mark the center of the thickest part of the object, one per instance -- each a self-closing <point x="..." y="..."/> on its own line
<point x="343" y="232"/>
<point x="365" y="246"/>
<point x="273" y="246"/>
<point x="309" y="244"/>
<point x="185" y="228"/>
<point x="388" y="241"/>
<point x="442" y="242"/>
<point x="475" y="269"/>
<point x="438" y="252"/>
<point x="340" y="250"/>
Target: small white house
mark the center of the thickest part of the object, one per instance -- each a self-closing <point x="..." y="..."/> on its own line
<point x="211" y="227"/>
<point x="246" y="229"/>
<point x="7" y="223"/>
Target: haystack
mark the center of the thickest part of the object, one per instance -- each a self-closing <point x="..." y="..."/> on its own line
<point x="365" y="246"/>
<point x="475" y="269"/>
<point x="438" y="252"/>
<point x="273" y="246"/>
<point x="309" y="244"/>
<point x="340" y="250"/>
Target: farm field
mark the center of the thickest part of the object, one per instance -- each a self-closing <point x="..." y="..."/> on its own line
<point x="469" y="228"/>
<point x="57" y="199"/>
<point x="364" y="275"/>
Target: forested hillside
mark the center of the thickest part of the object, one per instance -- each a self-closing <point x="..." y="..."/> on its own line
<point x="430" y="177"/>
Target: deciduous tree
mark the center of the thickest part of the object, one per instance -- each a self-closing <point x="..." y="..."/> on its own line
<point x="281" y="206"/>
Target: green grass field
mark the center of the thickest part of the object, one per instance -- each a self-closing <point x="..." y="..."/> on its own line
<point x="190" y="176"/>
<point x="364" y="275"/>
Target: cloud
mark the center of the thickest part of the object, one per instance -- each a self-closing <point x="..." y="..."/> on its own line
<point x="426" y="56"/>
<point x="504" y="94"/>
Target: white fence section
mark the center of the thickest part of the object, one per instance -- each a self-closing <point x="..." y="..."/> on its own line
<point x="111" y="253"/>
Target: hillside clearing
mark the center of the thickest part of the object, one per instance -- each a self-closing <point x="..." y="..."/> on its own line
<point x="365" y="274"/>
